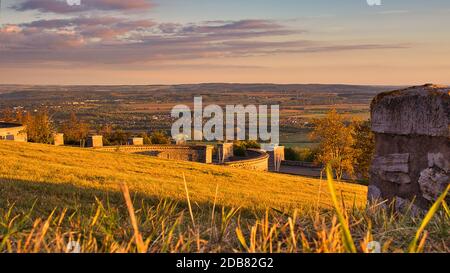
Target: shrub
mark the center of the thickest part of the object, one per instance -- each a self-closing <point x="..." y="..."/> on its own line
<point x="240" y="147"/>
<point x="159" y="137"/>
<point x="300" y="154"/>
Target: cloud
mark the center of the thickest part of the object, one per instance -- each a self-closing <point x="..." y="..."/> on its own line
<point x="61" y="6"/>
<point x="116" y="40"/>
<point x="100" y="28"/>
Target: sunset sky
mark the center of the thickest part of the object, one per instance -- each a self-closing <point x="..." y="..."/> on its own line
<point x="191" y="41"/>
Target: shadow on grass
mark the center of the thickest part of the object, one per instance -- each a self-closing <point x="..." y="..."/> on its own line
<point x="44" y="197"/>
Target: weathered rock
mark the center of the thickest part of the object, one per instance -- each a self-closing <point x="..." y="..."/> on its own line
<point x="393" y="168"/>
<point x="393" y="163"/>
<point x="374" y="194"/>
<point x="438" y="160"/>
<point x="433" y="182"/>
<point x="412" y="150"/>
<point x="415" y="111"/>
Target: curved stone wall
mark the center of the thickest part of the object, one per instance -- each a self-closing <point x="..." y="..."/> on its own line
<point x="194" y="153"/>
<point x="258" y="161"/>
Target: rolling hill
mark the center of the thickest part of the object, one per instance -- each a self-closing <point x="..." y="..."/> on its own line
<point x="72" y="177"/>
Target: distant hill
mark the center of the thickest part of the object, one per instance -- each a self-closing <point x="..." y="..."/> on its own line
<point x="207" y="87"/>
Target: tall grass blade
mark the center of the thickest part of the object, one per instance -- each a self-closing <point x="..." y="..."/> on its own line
<point x="345" y="230"/>
<point x="413" y="247"/>
<point x="137" y="235"/>
<point x="188" y="201"/>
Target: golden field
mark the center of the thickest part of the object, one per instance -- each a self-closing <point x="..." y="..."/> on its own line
<point x="51" y="196"/>
<point x="60" y="176"/>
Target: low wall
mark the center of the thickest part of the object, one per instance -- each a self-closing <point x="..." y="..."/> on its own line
<point x="300" y="164"/>
<point x="193" y="153"/>
<point x="13" y="132"/>
<point x="258" y="161"/>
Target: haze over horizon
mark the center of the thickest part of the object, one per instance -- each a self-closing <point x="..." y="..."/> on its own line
<point x="111" y="42"/>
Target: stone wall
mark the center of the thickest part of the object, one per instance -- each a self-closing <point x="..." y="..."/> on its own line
<point x="193" y="153"/>
<point x="13" y="132"/>
<point x="412" y="154"/>
<point x="258" y="161"/>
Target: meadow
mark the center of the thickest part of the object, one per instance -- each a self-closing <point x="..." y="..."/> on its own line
<point x="112" y="202"/>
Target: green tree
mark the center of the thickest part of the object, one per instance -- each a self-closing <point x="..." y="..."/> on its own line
<point x="335" y="143"/>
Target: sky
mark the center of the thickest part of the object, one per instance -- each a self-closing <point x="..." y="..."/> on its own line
<point x="400" y="42"/>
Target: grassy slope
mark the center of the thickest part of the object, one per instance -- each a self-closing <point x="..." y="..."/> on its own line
<point x="72" y="177"/>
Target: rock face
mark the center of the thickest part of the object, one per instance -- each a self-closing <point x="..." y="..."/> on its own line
<point x="412" y="145"/>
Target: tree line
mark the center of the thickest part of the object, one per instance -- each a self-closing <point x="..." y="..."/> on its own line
<point x="41" y="129"/>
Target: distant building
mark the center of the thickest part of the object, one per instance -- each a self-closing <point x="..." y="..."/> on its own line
<point x="13" y="132"/>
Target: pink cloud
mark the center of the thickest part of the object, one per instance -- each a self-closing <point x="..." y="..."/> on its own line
<point x="59" y="6"/>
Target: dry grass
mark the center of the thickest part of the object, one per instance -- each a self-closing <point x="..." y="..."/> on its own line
<point x="71" y="177"/>
<point x="51" y="196"/>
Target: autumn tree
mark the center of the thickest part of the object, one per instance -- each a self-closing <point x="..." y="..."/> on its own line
<point x="335" y="143"/>
<point x="75" y="131"/>
<point x="39" y="127"/>
<point x="364" y="147"/>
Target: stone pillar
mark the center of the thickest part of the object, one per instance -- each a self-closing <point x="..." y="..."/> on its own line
<point x="224" y="152"/>
<point x="412" y="150"/>
<point x="277" y="157"/>
<point x="209" y="154"/>
<point x="95" y="141"/>
<point x="58" y="139"/>
<point x="136" y="141"/>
